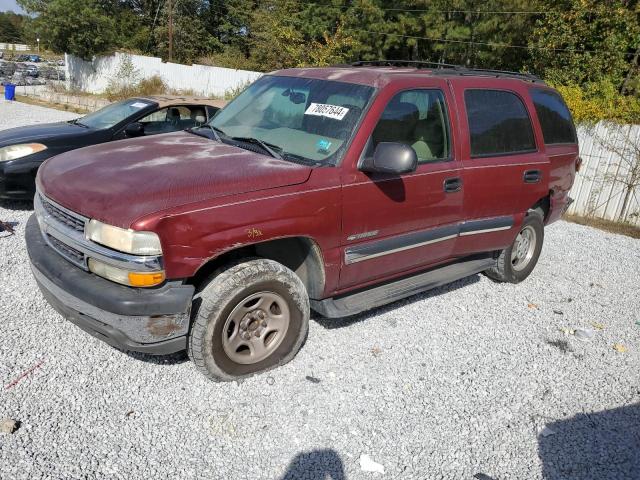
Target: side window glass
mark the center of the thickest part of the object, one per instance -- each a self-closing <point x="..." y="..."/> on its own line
<point x="172" y="119"/>
<point x="157" y="116"/>
<point x="498" y="123"/>
<point x="417" y="118"/>
<point x="555" y="119"/>
<point x="212" y="111"/>
<point x="194" y="116"/>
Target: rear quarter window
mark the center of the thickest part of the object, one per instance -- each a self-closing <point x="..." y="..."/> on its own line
<point x="499" y="123"/>
<point x="554" y="116"/>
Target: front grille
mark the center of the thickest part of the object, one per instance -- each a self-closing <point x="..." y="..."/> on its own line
<point x="62" y="216"/>
<point x="66" y="251"/>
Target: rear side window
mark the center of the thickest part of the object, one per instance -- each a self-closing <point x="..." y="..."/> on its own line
<point x="498" y="123"/>
<point x="555" y="119"/>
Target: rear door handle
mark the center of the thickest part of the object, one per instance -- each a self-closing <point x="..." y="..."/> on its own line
<point x="532" y="176"/>
<point x="452" y="185"/>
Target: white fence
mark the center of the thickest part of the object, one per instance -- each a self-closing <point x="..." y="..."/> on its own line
<point x="94" y="77"/>
<point x="609" y="153"/>
<point x="16" y="47"/>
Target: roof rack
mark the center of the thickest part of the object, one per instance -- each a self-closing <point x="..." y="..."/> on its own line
<point x="438" y="68"/>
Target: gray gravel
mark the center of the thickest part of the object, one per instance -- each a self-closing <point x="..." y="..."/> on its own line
<point x="447" y="384"/>
<point x="16" y="114"/>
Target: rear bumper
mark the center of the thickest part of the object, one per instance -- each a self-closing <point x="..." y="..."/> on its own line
<point x="559" y="204"/>
<point x="154" y="321"/>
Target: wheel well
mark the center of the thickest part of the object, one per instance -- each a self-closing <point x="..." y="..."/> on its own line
<point x="300" y="254"/>
<point x="544" y="204"/>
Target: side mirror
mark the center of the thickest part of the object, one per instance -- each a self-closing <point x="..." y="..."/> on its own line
<point x="391" y="158"/>
<point x="134" y="129"/>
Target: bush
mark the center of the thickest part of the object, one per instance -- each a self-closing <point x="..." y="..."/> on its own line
<point x="151" y="86"/>
<point x="233" y="92"/>
<point x="154" y="85"/>
<point x="600" y="101"/>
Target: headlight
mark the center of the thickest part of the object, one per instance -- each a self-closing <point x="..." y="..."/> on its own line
<point x="13" y="152"/>
<point x="128" y="241"/>
<point x="132" y="279"/>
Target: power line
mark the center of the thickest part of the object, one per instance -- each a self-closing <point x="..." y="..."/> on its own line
<point x="477" y="12"/>
<point x="468" y="42"/>
<point x="493" y="44"/>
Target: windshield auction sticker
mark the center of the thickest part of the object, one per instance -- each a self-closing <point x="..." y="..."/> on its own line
<point x="330" y="111"/>
<point x="139" y="105"/>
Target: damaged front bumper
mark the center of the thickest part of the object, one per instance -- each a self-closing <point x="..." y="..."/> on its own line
<point x="149" y="320"/>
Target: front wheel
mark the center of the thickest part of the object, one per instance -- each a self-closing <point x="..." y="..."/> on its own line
<point x="516" y="262"/>
<point x="250" y="317"/>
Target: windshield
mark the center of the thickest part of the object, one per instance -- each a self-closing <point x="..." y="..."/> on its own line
<point x="305" y="118"/>
<point x="113" y="114"/>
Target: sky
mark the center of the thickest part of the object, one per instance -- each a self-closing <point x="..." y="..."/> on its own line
<point x="6" y="5"/>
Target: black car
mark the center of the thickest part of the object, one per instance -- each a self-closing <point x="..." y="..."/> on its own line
<point x="23" y="149"/>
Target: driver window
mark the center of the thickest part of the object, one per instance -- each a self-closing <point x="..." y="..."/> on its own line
<point x="172" y="119"/>
<point x="417" y="118"/>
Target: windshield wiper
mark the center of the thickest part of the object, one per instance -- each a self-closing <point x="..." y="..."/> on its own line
<point x="195" y="132"/>
<point x="76" y="121"/>
<point x="267" y="147"/>
<point x="301" y="160"/>
<point x="217" y="130"/>
<point x="216" y="137"/>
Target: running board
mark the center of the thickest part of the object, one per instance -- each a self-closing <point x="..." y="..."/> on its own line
<point x="362" y="300"/>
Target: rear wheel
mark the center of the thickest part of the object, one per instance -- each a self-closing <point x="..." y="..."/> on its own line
<point x="248" y="318"/>
<point x="516" y="262"/>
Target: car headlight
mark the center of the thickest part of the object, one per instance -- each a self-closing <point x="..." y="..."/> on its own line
<point x="123" y="240"/>
<point x="13" y="152"/>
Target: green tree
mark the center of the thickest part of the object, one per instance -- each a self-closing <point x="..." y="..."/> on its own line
<point x="80" y="27"/>
<point x="191" y="39"/>
<point x="11" y="27"/>
<point x="586" y="41"/>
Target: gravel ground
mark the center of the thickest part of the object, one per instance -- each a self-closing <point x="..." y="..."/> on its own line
<point x="459" y="381"/>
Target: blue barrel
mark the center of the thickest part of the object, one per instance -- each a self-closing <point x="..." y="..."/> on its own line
<point x="9" y="91"/>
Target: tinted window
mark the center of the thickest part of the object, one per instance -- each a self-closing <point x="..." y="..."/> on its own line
<point x="417" y="118"/>
<point x="172" y="119"/>
<point x="554" y="116"/>
<point x="498" y="123"/>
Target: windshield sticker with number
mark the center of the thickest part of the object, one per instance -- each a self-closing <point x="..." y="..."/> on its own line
<point x="139" y="105"/>
<point x="330" y="111"/>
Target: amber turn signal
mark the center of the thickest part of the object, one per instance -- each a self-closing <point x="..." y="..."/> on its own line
<point x="146" y="279"/>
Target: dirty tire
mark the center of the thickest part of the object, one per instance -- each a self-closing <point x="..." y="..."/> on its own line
<point x="230" y="294"/>
<point x="504" y="269"/>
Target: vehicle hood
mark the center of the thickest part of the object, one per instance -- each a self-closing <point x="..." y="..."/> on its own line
<point x="119" y="182"/>
<point x="41" y="133"/>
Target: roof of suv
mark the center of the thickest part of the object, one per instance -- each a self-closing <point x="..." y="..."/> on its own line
<point x="378" y="74"/>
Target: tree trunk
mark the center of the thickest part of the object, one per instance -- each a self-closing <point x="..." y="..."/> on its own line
<point x="622" y="216"/>
<point x="633" y="66"/>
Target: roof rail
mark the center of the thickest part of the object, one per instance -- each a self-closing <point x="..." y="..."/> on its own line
<point x="439" y="68"/>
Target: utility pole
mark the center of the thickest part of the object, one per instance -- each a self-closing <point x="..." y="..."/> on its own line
<point x="170" y="30"/>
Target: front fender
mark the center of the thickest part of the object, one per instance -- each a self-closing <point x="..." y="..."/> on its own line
<point x="192" y="239"/>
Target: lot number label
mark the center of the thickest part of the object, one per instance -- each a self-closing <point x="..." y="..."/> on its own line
<point x="330" y="111"/>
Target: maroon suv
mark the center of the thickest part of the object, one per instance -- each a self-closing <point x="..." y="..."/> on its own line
<point x="333" y="189"/>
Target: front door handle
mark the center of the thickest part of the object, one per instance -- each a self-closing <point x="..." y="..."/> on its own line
<point x="452" y="185"/>
<point x="532" y="176"/>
